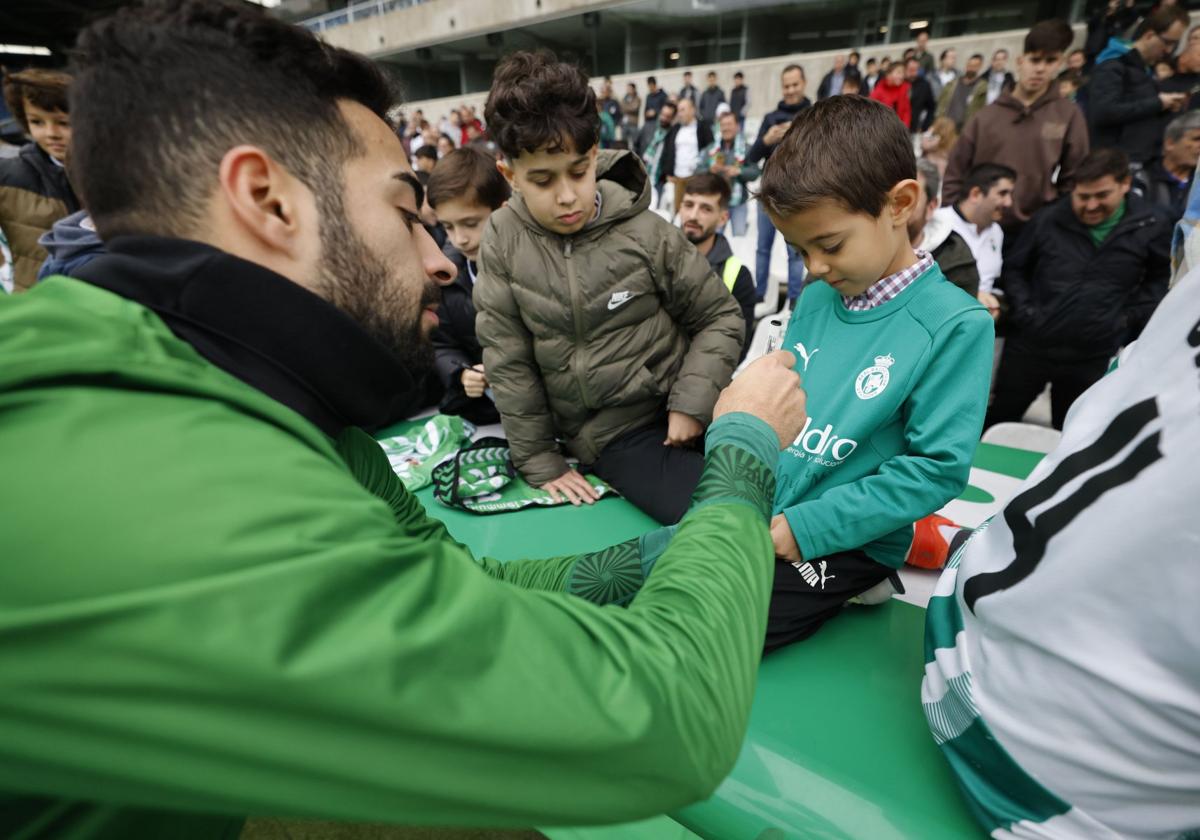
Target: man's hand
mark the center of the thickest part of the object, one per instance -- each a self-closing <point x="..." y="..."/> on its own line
<point x="1173" y="101"/>
<point x="784" y="540"/>
<point x="770" y="390"/>
<point x="991" y="302"/>
<point x="775" y="133"/>
<point x="682" y="430"/>
<point x="474" y="381"/>
<point x="573" y="487"/>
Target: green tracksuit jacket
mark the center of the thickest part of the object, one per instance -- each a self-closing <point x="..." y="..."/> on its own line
<point x="209" y="607"/>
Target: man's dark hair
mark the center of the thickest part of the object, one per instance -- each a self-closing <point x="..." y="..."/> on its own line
<point x="45" y="89"/>
<point x="538" y="102"/>
<point x="426" y="151"/>
<point x="468" y="174"/>
<point x="209" y="75"/>
<point x="912" y="59"/>
<point x="985" y="176"/>
<point x="792" y="67"/>
<point x="977" y="57"/>
<point x="909" y="53"/>
<point x="687" y="72"/>
<point x="871" y="61"/>
<point x="674" y="106"/>
<point x="709" y="183"/>
<point x="1101" y="162"/>
<point x="811" y="164"/>
<point x="650" y="80"/>
<point x="1049" y="36"/>
<point x="712" y="74"/>
<point x="1162" y="19"/>
<point x="945" y="52"/>
<point x="1072" y="76"/>
<point x="855" y="54"/>
<point x="738" y="75"/>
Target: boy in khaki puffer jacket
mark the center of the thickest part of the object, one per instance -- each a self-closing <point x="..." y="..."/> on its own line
<point x="600" y="323"/>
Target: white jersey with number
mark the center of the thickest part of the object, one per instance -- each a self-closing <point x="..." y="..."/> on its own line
<point x="1063" y="641"/>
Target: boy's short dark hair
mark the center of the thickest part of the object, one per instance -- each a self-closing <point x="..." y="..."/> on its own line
<point x="709" y="183"/>
<point x="1162" y="19"/>
<point x="469" y="174"/>
<point x="985" y="176"/>
<point x="811" y="164"/>
<point x="208" y="75"/>
<point x="1101" y="162"/>
<point x="1049" y="36"/>
<point x="538" y="102"/>
<point x="738" y="75"/>
<point x="45" y="89"/>
<point x="650" y="80"/>
<point x="977" y="57"/>
<point x="426" y="151"/>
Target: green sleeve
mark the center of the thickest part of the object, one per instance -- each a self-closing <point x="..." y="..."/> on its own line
<point x="283" y="644"/>
<point x="943" y="417"/>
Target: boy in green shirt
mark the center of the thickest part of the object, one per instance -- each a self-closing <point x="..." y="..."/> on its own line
<point x="895" y="361"/>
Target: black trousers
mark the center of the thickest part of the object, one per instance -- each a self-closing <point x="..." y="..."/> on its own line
<point x="806" y="595"/>
<point x="1023" y="375"/>
<point x="657" y="479"/>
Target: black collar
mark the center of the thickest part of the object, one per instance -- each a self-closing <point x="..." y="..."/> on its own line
<point x="262" y="328"/>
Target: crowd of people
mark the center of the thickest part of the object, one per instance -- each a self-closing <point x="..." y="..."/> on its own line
<point x="200" y="341"/>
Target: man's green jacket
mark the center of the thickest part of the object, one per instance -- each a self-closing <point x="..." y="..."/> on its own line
<point x="209" y="607"/>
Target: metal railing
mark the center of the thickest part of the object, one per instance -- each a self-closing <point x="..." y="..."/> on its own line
<point x="356" y="11"/>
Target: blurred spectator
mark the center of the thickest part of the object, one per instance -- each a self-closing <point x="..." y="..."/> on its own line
<point x="739" y="99"/>
<point x="1163" y="71"/>
<point x="1166" y="181"/>
<point x="471" y="126"/>
<point x="928" y="232"/>
<point x="631" y="110"/>
<point x="999" y="80"/>
<point x="893" y="91"/>
<point x="1069" y="82"/>
<point x="654" y="98"/>
<point x="936" y="144"/>
<point x="445" y="145"/>
<point x="1032" y="130"/>
<point x="1083" y="279"/>
<point x="608" y="128"/>
<point x="1077" y="61"/>
<point x="610" y="105"/>
<point x="923" y="56"/>
<point x="987" y="195"/>
<point x="852" y="61"/>
<point x="688" y="91"/>
<point x="946" y="73"/>
<point x="920" y="96"/>
<point x="727" y="158"/>
<point x="770" y="133"/>
<point x="871" y="77"/>
<point x="424" y="159"/>
<point x="1107" y="23"/>
<point x="1124" y="104"/>
<point x="685" y="141"/>
<point x="831" y="85"/>
<point x="963" y="97"/>
<point x="650" y="144"/>
<point x="710" y="99"/>
<point x="35" y="191"/>
<point x="853" y="85"/>
<point x="1187" y="76"/>
<point x="702" y="215"/>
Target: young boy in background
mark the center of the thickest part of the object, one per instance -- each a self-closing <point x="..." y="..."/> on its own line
<point x="895" y="360"/>
<point x="600" y="323"/>
<point x="464" y="190"/>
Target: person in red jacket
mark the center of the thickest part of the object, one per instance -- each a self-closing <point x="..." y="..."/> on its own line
<point x="893" y="91"/>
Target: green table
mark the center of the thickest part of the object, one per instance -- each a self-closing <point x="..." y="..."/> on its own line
<point x="837" y="745"/>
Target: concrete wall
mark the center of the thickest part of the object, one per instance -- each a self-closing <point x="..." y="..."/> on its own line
<point x="762" y="75"/>
<point x="449" y="20"/>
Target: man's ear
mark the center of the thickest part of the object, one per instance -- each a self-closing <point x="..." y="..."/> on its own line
<point x="262" y="198"/>
<point x="902" y="201"/>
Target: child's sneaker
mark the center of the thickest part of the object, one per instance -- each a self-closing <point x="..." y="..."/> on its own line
<point x="931" y="542"/>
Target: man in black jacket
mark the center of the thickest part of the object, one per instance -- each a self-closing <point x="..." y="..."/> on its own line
<point x="1167" y="181"/>
<point x="704" y="212"/>
<point x="920" y="94"/>
<point x="1124" y="103"/>
<point x="654" y="99"/>
<point x="1083" y="279"/>
<point x="770" y="133"/>
<point x="464" y="190"/>
<point x="739" y="99"/>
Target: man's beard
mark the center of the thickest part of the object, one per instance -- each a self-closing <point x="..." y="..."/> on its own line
<point x="696" y="238"/>
<point x="357" y="282"/>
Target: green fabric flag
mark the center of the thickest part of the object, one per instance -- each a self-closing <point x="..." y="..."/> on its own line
<point x="420" y="445"/>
